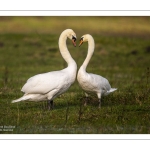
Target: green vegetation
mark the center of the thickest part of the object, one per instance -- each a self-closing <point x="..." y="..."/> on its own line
<point x="29" y="46"/>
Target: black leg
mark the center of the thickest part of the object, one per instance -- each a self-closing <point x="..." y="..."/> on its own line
<point x="85" y="102"/>
<point x="50" y="104"/>
<point x="86" y="99"/>
<point x="99" y="103"/>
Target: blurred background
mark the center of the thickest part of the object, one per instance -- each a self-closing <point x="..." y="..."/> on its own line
<point x="137" y="26"/>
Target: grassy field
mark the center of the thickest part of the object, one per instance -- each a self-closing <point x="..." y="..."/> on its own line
<point x="29" y="46"/>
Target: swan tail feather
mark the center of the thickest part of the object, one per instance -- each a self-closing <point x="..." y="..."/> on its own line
<point x="20" y="99"/>
<point x="110" y="91"/>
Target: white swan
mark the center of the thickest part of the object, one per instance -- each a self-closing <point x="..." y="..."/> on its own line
<point x="91" y="82"/>
<point x="48" y="86"/>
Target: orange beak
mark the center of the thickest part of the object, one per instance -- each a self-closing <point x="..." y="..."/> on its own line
<point x="81" y="42"/>
<point x="74" y="43"/>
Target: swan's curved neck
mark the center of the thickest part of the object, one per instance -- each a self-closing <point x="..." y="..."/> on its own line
<point x="64" y="50"/>
<point x="91" y="46"/>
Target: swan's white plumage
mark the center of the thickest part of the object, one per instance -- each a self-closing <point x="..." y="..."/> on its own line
<point x="39" y="84"/>
<point x="48" y="86"/>
<point x="92" y="82"/>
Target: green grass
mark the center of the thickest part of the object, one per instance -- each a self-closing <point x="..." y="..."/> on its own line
<point x="122" y="55"/>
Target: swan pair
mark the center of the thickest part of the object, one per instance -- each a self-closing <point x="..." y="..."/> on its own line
<point x="48" y="86"/>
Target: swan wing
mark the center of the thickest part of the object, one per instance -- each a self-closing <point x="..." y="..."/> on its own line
<point x="44" y="83"/>
<point x="98" y="82"/>
<point x="102" y="84"/>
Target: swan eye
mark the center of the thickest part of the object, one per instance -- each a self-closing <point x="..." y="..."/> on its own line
<point x="74" y="38"/>
<point x="82" y="38"/>
<point x="81" y="41"/>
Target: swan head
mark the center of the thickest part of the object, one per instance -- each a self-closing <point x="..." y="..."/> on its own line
<point x="71" y="35"/>
<point x="84" y="38"/>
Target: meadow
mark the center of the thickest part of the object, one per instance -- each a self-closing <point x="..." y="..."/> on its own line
<point x="29" y="46"/>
